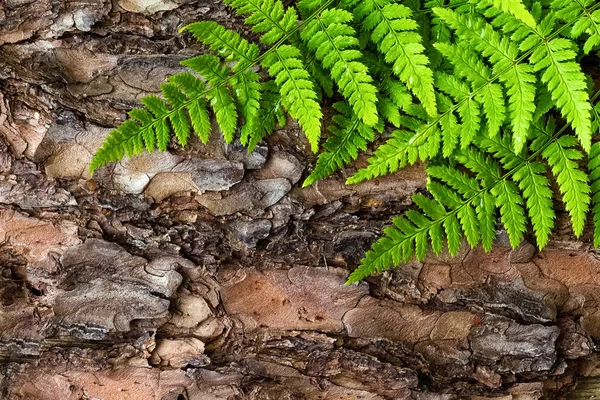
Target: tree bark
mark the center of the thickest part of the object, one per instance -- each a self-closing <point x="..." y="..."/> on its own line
<point x="208" y="273"/>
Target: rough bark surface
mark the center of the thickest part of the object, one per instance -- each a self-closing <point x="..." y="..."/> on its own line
<point x="207" y="273"/>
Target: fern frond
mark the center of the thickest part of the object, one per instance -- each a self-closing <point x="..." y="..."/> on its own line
<point x="349" y="136"/>
<point x="270" y="115"/>
<point x="469" y="108"/>
<point x="402" y="149"/>
<point x="228" y="44"/>
<point x="460" y="205"/>
<point x="297" y="91"/>
<point x="490" y="95"/>
<point x="594" y="169"/>
<point x="150" y="129"/>
<point x="514" y="7"/>
<point x="268" y="17"/>
<point x="194" y="89"/>
<point x="535" y="187"/>
<point x="587" y="21"/>
<point x="219" y="97"/>
<point x="509" y="201"/>
<point x="247" y="92"/>
<point x="333" y="40"/>
<point x="567" y="85"/>
<point x="392" y="29"/>
<point x="572" y="181"/>
<point x="518" y="78"/>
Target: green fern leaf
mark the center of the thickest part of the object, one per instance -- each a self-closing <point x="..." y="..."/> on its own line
<point x="567" y="85"/>
<point x="572" y="182"/>
<point x="453" y="234"/>
<point x="225" y="111"/>
<point x="393" y="31"/>
<point x="159" y="109"/>
<point x="349" y="136"/>
<point x="269" y="115"/>
<point x="586" y="21"/>
<point x="516" y="8"/>
<point x="145" y="120"/>
<point x="594" y="168"/>
<point x="469" y="109"/>
<point x="297" y="91"/>
<point x="396" y="153"/>
<point x="228" y="44"/>
<point x="490" y="95"/>
<point x="485" y="206"/>
<point x="194" y="88"/>
<point x="536" y="190"/>
<point x="509" y="201"/>
<point x="268" y="17"/>
<point x="334" y="43"/>
<point x="518" y="79"/>
<point x="246" y="89"/>
<point x="219" y="97"/>
<point x="177" y="117"/>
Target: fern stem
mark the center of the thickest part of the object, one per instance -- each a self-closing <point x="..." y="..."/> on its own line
<point x="251" y="64"/>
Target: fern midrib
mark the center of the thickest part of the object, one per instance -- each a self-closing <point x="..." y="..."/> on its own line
<point x="254" y="62"/>
<point x="455" y="107"/>
<point x="480" y="192"/>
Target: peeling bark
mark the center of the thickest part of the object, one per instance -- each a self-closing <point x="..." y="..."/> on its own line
<point x="208" y="273"/>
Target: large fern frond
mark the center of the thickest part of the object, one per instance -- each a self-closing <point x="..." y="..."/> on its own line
<point x="493" y="180"/>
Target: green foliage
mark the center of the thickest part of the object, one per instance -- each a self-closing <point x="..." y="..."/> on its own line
<point x="506" y="123"/>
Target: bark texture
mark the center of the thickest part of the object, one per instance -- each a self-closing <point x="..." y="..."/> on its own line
<point x="207" y="273"/>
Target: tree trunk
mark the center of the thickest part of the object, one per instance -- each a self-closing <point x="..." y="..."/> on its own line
<point x="208" y="273"/>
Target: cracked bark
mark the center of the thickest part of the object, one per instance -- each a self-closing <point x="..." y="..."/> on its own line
<point x="207" y="273"/>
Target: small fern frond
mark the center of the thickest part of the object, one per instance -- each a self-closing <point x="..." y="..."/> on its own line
<point x="349" y="136"/>
<point x="567" y="85"/>
<point x="297" y="92"/>
<point x="491" y="177"/>
<point x="490" y="95"/>
<point x="333" y="40"/>
<point x="587" y="21"/>
<point x="194" y="89"/>
<point x="563" y="160"/>
<point x="219" y="97"/>
<point x="594" y="168"/>
<point x="149" y="128"/>
<point x="268" y="17"/>
<point x="469" y="109"/>
<point x="270" y="114"/>
<point x="228" y="44"/>
<point x="402" y="149"/>
<point x="392" y="29"/>
<point x="514" y="7"/>
<point x="247" y="92"/>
